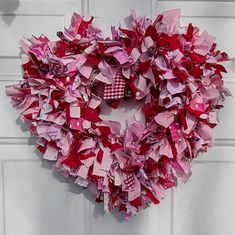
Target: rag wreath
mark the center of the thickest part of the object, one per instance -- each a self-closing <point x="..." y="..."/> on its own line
<point x="174" y="71"/>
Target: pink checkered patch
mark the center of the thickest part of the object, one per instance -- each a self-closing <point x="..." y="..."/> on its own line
<point x="130" y="181"/>
<point x="117" y="90"/>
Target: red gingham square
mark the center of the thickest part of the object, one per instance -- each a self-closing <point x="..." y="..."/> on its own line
<point x="117" y="90"/>
<point x="130" y="181"/>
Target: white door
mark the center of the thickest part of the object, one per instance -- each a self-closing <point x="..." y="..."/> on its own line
<point x="33" y="201"/>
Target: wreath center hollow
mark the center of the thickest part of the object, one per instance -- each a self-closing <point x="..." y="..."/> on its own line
<point x="126" y="110"/>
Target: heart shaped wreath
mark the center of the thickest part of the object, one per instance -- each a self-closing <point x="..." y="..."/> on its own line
<point x="175" y="73"/>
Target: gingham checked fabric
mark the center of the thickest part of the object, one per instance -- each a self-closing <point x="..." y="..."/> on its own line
<point x="130" y="181"/>
<point x="117" y="90"/>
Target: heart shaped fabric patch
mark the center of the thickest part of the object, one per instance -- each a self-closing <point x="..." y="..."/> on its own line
<point x="173" y="71"/>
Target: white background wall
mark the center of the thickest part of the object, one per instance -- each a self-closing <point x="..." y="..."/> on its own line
<point x="35" y="201"/>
